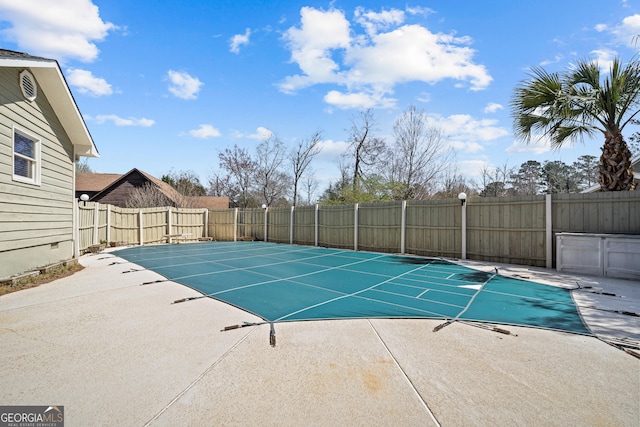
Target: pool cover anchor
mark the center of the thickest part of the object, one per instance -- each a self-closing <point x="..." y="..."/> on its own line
<point x="133" y="270"/>
<point x="442" y="325"/>
<point x="272" y="336"/>
<point x="244" y="325"/>
<point x="479" y="325"/>
<point x="187" y="299"/>
<point x="154" y="281"/>
<point x="272" y="330"/>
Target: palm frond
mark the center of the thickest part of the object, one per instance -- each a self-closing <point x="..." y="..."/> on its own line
<point x="567" y="107"/>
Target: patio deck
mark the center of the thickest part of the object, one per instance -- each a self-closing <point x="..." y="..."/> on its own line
<point x="113" y="352"/>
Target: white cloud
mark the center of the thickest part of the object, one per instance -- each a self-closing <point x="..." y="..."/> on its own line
<point x="358" y="100"/>
<point x="239" y="40"/>
<point x="424" y="97"/>
<point x="327" y="50"/>
<point x="601" y="27"/>
<point x="183" y="85"/>
<point x="538" y="145"/>
<point x="61" y="29"/>
<point x="492" y="107"/>
<point x="413" y="53"/>
<point x="419" y="10"/>
<point x="205" y="131"/>
<point x="628" y="31"/>
<point x="472" y="168"/>
<point x="332" y="150"/>
<point x="373" y="22"/>
<point x="311" y="45"/>
<point x="556" y="59"/>
<point x="87" y="83"/>
<point x="120" y="121"/>
<point x="261" y="134"/>
<point x="605" y="58"/>
<point x="467" y="134"/>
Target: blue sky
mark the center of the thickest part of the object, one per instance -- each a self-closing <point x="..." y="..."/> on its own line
<point x="166" y="85"/>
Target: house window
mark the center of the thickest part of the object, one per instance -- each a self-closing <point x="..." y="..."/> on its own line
<point x="26" y="158"/>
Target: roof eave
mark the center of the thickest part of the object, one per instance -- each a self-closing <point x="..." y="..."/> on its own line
<point x="52" y="82"/>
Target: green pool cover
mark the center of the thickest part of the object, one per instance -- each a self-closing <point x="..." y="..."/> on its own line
<point x="289" y="283"/>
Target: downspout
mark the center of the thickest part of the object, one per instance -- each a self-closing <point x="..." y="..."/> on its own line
<point x="74" y="204"/>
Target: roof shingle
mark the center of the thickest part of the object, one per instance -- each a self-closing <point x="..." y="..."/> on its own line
<point x="95" y="181"/>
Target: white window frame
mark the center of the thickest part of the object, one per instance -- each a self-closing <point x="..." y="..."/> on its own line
<point x="35" y="161"/>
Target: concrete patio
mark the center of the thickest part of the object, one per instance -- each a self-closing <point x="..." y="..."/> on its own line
<point x="113" y="352"/>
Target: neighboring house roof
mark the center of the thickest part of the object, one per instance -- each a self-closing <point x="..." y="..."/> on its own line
<point x="94" y="182"/>
<point x="51" y="81"/>
<point x="635" y="163"/>
<point x="165" y="188"/>
<point x="114" y="181"/>
<point x="100" y="185"/>
<point x="211" y="202"/>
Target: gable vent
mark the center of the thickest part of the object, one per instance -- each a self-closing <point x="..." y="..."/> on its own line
<point x="28" y="85"/>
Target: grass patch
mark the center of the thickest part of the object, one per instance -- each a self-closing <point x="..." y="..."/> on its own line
<point x="31" y="281"/>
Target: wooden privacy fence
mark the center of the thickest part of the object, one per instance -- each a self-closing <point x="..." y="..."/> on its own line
<point x="516" y="230"/>
<point x="99" y="223"/>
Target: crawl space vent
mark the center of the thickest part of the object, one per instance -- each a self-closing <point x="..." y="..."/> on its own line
<point x="28" y="85"/>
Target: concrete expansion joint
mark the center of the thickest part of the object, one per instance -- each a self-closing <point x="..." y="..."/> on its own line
<point x="199" y="378"/>
<point x="404" y="374"/>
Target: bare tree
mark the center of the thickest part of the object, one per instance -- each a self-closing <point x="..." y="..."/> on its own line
<point x="82" y="166"/>
<point x="310" y="187"/>
<point x="419" y="156"/>
<point x="494" y="181"/>
<point x="220" y="185"/>
<point x="301" y="156"/>
<point x="453" y="183"/>
<point x="239" y="165"/>
<point x="186" y="188"/>
<point x="346" y="170"/>
<point x="271" y="182"/>
<point x="147" y="196"/>
<point x="186" y="183"/>
<point x="364" y="146"/>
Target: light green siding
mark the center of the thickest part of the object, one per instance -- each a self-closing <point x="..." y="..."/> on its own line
<point x="36" y="221"/>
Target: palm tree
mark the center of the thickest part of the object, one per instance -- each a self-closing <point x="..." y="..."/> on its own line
<point x="566" y="107"/>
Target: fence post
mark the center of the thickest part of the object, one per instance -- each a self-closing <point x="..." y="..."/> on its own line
<point x="206" y="223"/>
<point x="108" y="223"/>
<point x="140" y="216"/>
<point x="266" y="213"/>
<point x="291" y="227"/>
<point x="403" y="226"/>
<point x="169" y="224"/>
<point x="96" y="219"/>
<point x="549" y="231"/>
<point x="464" y="229"/>
<point x="317" y="216"/>
<point x="235" y="225"/>
<point x="355" y="227"/>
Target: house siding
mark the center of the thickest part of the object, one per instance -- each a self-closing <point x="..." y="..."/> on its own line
<point x="36" y="222"/>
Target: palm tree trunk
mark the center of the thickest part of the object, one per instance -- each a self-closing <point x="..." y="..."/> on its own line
<point x="616" y="172"/>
